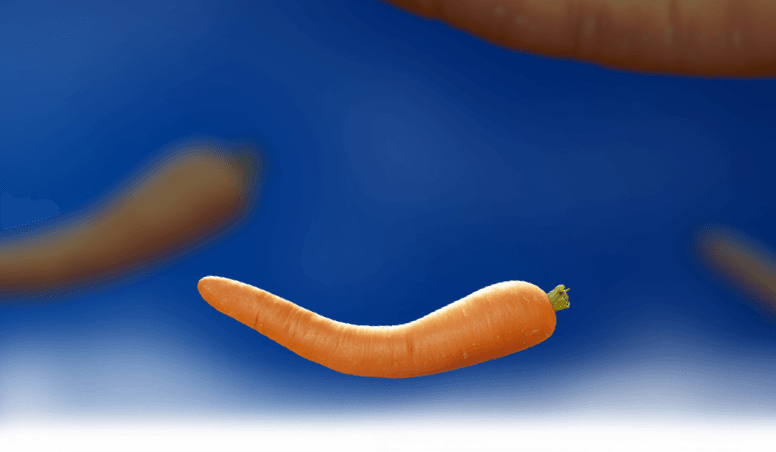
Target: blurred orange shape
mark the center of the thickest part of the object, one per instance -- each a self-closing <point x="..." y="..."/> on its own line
<point x="742" y="261"/>
<point x="720" y="38"/>
<point x="185" y="198"/>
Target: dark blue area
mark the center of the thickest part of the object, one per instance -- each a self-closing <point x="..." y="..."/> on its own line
<point x="408" y="165"/>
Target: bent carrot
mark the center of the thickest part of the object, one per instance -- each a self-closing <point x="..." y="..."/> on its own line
<point x="493" y="322"/>
<point x="720" y="38"/>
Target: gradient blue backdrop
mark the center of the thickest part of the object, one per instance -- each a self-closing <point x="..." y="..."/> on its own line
<point x="408" y="165"/>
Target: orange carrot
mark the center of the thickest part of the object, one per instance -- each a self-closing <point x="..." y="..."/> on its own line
<point x="490" y="323"/>
<point x="728" y="38"/>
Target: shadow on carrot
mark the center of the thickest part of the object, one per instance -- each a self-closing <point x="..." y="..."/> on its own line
<point x="492" y="322"/>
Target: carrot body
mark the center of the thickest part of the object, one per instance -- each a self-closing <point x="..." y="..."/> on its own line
<point x="724" y="38"/>
<point x="493" y="322"/>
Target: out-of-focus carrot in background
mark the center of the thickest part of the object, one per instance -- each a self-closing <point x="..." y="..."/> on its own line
<point x="190" y="193"/>
<point x="745" y="262"/>
<point x="713" y="38"/>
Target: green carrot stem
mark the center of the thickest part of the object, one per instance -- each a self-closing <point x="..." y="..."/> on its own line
<point x="559" y="297"/>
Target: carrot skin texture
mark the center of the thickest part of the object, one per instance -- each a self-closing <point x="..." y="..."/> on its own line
<point x="696" y="38"/>
<point x="493" y="322"/>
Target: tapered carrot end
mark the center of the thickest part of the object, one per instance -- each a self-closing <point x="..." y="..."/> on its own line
<point x="229" y="297"/>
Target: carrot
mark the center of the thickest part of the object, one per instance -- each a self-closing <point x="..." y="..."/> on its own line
<point x="725" y="38"/>
<point x="742" y="261"/>
<point x="496" y="321"/>
<point x="178" y="202"/>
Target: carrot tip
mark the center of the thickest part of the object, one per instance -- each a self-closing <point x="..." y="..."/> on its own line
<point x="559" y="298"/>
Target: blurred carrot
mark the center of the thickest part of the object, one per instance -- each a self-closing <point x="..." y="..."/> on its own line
<point x="180" y="202"/>
<point x="743" y="262"/>
<point x="722" y="38"/>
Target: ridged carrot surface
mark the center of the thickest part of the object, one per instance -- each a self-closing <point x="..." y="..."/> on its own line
<point x="492" y="322"/>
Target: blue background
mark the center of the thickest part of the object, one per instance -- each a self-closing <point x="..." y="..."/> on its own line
<point x="408" y="165"/>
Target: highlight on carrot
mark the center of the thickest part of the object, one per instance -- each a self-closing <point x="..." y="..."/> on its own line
<point x="492" y="322"/>
<point x="741" y="261"/>
<point x="706" y="38"/>
<point x="189" y="195"/>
